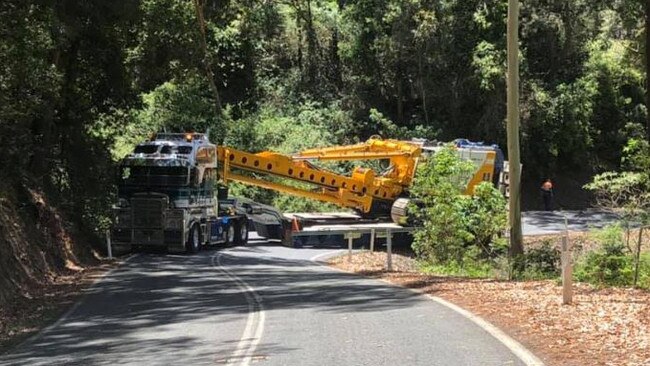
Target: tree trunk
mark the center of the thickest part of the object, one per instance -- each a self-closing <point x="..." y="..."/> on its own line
<point x="423" y="90"/>
<point x="400" y="99"/>
<point x="43" y="127"/>
<point x="207" y="59"/>
<point x="312" y="60"/>
<point x="637" y="257"/>
<point x="337" y="76"/>
<point x="299" y="28"/>
<point x="335" y="60"/>
<point x="70" y="121"/>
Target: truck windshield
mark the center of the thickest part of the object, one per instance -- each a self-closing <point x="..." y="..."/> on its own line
<point x="145" y="149"/>
<point x="176" y="150"/>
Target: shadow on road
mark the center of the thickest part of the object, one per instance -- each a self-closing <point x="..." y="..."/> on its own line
<point x="303" y="284"/>
<point x="154" y="306"/>
<point x="159" y="305"/>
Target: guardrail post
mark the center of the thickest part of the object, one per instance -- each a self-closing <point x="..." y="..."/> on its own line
<point x="350" y="248"/>
<point x="389" y="250"/>
<point x="109" y="248"/>
<point x="372" y="240"/>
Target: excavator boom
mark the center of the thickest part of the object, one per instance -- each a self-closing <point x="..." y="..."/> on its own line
<point x="357" y="191"/>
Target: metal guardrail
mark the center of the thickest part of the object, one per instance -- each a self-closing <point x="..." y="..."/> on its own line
<point x="375" y="233"/>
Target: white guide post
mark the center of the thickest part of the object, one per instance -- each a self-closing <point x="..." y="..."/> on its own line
<point x="109" y="248"/>
<point x="350" y="238"/>
<point x="567" y="267"/>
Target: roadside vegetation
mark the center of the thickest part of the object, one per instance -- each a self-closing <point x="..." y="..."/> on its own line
<point x="624" y="255"/>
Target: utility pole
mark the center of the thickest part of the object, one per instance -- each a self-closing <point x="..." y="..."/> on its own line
<point x="514" y="201"/>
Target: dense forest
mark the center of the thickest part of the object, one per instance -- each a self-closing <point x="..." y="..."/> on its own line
<point x="82" y="81"/>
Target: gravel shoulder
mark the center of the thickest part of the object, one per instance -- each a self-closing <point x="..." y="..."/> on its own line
<point x="602" y="327"/>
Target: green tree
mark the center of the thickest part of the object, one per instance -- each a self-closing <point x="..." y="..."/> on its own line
<point x="456" y="228"/>
<point x="627" y="193"/>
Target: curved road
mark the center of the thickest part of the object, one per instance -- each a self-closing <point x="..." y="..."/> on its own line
<point x="260" y="304"/>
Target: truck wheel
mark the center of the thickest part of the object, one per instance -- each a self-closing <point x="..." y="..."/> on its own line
<point x="230" y="233"/>
<point x="242" y="232"/>
<point x="193" y="244"/>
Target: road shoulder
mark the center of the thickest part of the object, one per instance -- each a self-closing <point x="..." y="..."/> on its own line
<point x="333" y="259"/>
<point x="602" y="326"/>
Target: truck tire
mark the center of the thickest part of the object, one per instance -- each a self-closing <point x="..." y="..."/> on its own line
<point x="241" y="229"/>
<point x="230" y="234"/>
<point x="193" y="244"/>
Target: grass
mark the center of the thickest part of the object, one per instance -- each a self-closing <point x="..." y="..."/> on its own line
<point x="469" y="269"/>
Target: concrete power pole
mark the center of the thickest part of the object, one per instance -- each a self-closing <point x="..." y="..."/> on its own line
<point x="516" y="246"/>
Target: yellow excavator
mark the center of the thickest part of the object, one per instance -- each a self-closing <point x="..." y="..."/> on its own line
<point x="370" y="193"/>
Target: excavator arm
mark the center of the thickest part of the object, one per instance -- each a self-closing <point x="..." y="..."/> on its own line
<point x="403" y="156"/>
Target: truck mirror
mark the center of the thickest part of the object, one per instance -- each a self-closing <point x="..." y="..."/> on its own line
<point x="222" y="192"/>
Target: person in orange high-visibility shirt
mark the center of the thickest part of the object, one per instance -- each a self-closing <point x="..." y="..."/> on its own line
<point x="547" y="195"/>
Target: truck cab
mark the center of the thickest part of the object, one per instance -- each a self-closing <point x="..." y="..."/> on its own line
<point x="168" y="198"/>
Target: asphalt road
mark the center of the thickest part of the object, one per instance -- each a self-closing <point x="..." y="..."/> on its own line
<point x="260" y="304"/>
<point x="551" y="222"/>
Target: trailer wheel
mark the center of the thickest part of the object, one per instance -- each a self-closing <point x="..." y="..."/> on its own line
<point x="241" y="227"/>
<point x="193" y="244"/>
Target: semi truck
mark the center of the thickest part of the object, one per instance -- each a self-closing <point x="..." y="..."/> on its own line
<point x="168" y="197"/>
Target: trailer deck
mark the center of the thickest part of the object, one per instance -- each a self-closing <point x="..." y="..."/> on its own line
<point x="335" y="227"/>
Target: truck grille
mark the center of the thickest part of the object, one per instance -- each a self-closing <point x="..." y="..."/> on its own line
<point x="173" y="237"/>
<point x="148" y="237"/>
<point x="147" y="213"/>
<point x="121" y="235"/>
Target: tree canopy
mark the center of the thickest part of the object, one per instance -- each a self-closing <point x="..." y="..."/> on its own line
<point x="80" y="82"/>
